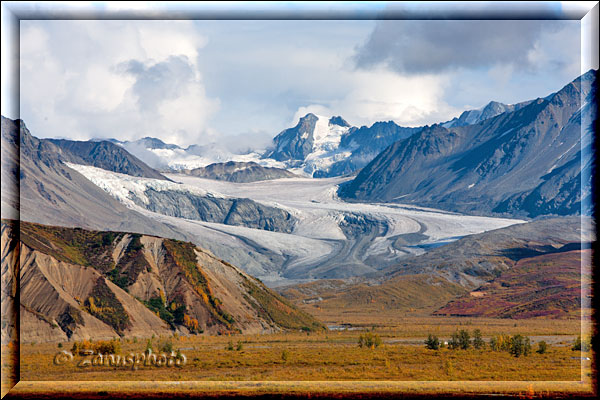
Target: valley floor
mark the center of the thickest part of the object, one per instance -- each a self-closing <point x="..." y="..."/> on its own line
<point x="335" y="355"/>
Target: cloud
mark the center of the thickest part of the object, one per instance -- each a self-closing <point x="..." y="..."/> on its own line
<point x="416" y="47"/>
<point x="122" y="79"/>
<point x="240" y="83"/>
<point x="382" y="95"/>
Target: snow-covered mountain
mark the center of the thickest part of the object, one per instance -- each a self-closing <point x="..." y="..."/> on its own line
<point x="312" y="145"/>
<point x="317" y="146"/>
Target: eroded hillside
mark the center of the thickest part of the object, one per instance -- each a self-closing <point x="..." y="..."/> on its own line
<point x="76" y="284"/>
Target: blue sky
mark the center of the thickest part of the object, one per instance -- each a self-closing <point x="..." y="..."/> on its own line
<point x="193" y="82"/>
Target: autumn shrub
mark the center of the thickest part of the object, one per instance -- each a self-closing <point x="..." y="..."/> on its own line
<point x="542" y="347"/>
<point x="500" y="343"/>
<point x="166" y="347"/>
<point x="99" y="347"/>
<point x="369" y="340"/>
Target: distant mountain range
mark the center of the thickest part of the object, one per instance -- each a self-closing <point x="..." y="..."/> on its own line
<point x="241" y="172"/>
<point x="528" y="159"/>
<point x="525" y="162"/>
<point x="316" y="146"/>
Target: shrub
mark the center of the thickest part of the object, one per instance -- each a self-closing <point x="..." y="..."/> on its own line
<point x="369" y="340"/>
<point x="478" y="342"/>
<point x="500" y="343"/>
<point x="454" y="342"/>
<point x="107" y="347"/>
<point x="520" y="345"/>
<point x="149" y="344"/>
<point x="542" y="347"/>
<point x="60" y="345"/>
<point x="229" y="346"/>
<point x="239" y="346"/>
<point x="581" y="345"/>
<point x="285" y="355"/>
<point x="166" y="347"/>
<point x="432" y="342"/>
<point x="100" y="347"/>
<point x="464" y="339"/>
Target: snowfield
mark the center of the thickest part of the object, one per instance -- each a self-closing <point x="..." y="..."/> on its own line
<point x="332" y="238"/>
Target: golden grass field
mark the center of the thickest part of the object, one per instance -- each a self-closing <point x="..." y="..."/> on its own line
<point x="336" y="357"/>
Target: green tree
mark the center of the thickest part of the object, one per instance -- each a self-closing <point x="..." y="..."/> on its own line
<point x="432" y="342"/>
<point x="520" y="345"/>
<point x="454" y="342"/>
<point x="464" y="339"/>
<point x="478" y="342"/>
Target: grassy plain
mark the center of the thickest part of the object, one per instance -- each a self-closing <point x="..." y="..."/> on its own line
<point x="335" y="355"/>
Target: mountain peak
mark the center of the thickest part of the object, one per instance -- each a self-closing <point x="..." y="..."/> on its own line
<point x="339" y="121"/>
<point x="308" y="117"/>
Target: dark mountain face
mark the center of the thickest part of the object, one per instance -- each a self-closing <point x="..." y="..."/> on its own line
<point x="47" y="191"/>
<point x="365" y="143"/>
<point x="339" y="121"/>
<point x="240" y="172"/>
<point x="295" y="143"/>
<point x="154" y="143"/>
<point x="105" y="155"/>
<point x="525" y="163"/>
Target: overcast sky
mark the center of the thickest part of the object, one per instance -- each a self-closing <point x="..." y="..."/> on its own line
<point x="192" y="82"/>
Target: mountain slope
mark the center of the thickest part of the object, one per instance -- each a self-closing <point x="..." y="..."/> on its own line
<point x="548" y="285"/>
<point x="103" y="154"/>
<point x="76" y="284"/>
<point x="493" y="108"/>
<point x="475" y="259"/>
<point x="45" y="190"/>
<point x="241" y="172"/>
<point x="525" y="270"/>
<point x="525" y="163"/>
<point x="322" y="147"/>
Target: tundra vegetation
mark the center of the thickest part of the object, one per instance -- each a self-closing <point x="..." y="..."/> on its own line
<point x="391" y="352"/>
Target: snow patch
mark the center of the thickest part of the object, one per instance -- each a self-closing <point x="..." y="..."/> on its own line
<point x="126" y="188"/>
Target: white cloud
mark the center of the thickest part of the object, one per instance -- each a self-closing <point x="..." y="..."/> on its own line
<point x="73" y="83"/>
<point x="195" y="82"/>
<point x="382" y="95"/>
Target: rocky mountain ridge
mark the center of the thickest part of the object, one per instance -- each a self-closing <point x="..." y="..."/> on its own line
<point x="527" y="162"/>
<point x="241" y="172"/>
<point x="78" y="284"/>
